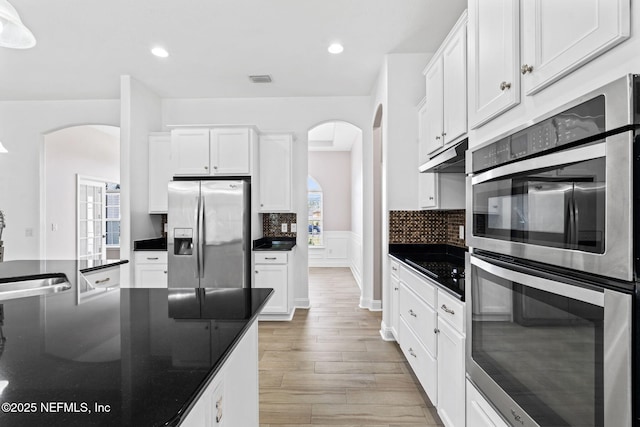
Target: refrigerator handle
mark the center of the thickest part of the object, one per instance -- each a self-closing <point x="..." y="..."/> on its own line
<point x="201" y="235"/>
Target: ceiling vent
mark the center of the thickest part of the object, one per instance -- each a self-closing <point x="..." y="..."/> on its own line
<point x="262" y="78"/>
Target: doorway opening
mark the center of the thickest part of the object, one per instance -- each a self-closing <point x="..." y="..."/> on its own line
<point x="335" y="197"/>
<point x="81" y="193"/>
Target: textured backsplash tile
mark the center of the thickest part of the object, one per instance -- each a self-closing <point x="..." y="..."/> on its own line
<point x="272" y="224"/>
<point x="426" y="227"/>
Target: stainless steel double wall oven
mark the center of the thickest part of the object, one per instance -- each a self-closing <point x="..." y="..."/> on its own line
<point x="553" y="267"/>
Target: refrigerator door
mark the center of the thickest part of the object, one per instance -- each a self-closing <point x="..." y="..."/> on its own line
<point x="182" y="234"/>
<point x="225" y="233"/>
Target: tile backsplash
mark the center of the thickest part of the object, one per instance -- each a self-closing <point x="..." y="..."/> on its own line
<point x="426" y="227"/>
<point x="272" y="223"/>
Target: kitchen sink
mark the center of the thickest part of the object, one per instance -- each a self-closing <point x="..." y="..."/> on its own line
<point x="31" y="287"/>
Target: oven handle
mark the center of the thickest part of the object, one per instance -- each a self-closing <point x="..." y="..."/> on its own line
<point x="554" y="159"/>
<point x="551" y="286"/>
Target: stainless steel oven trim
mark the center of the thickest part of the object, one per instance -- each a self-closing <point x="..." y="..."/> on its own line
<point x="559" y="288"/>
<point x="556" y="159"/>
<point x="617" y="259"/>
<point x="617" y="362"/>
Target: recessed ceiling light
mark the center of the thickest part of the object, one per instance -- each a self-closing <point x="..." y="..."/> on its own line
<point x="335" y="48"/>
<point x="160" y="52"/>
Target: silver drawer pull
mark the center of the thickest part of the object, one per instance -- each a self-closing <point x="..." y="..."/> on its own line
<point x="152" y="258"/>
<point x="103" y="280"/>
<point x="219" y="410"/>
<point x="272" y="258"/>
<point x="394" y="269"/>
<point x="436" y="330"/>
<point x="395" y="289"/>
<point x="165" y="272"/>
<point x="447" y="309"/>
<point x="411" y="352"/>
<point x="411" y="312"/>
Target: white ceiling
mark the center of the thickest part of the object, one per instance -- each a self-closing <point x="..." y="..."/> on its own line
<point x="83" y="46"/>
<point x="333" y="136"/>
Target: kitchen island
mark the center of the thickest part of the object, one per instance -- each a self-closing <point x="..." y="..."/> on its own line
<point x="130" y="357"/>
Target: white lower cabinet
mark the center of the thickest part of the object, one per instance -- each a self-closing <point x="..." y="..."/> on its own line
<point x="272" y="270"/>
<point x="431" y="336"/>
<point x="394" y="293"/>
<point x="150" y="269"/>
<point x="231" y="398"/>
<point x="479" y="412"/>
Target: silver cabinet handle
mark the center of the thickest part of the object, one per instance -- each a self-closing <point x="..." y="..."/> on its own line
<point x="257" y="272"/>
<point x="411" y="312"/>
<point x="165" y="272"/>
<point x="219" y="410"/>
<point x="394" y="269"/>
<point x="436" y="330"/>
<point x="526" y="68"/>
<point x="505" y="86"/>
<point x="447" y="309"/>
<point x="103" y="280"/>
<point x="430" y="197"/>
<point x="395" y="289"/>
<point x="215" y="167"/>
<point x="411" y="352"/>
<point x="444" y="134"/>
<point x="152" y="258"/>
<point x="206" y="168"/>
<point x="437" y="137"/>
<point x="272" y="257"/>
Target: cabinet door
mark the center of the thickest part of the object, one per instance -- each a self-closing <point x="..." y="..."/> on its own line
<point x="451" y="375"/>
<point x="159" y="172"/>
<point x="494" y="54"/>
<point x="394" y="311"/>
<point x="423" y="154"/>
<point x="231" y="151"/>
<point x="190" y="151"/>
<point x="454" y="57"/>
<point x="275" y="173"/>
<point x="552" y="47"/>
<point x="427" y="187"/>
<point x="151" y="276"/>
<point x="479" y="412"/>
<point x="273" y="276"/>
<point x="434" y="82"/>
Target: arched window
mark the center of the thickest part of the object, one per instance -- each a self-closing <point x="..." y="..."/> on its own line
<point x="314" y="198"/>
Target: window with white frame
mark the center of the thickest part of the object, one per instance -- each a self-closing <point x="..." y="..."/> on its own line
<point x="314" y="193"/>
<point x="112" y="214"/>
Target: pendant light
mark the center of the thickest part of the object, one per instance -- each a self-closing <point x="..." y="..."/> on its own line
<point x="13" y="33"/>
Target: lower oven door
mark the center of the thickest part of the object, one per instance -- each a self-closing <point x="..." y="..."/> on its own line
<point x="548" y="351"/>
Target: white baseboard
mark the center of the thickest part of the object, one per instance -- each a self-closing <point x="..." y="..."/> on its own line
<point x="386" y="333"/>
<point x="273" y="317"/>
<point x="356" y="276"/>
<point x="302" y="303"/>
<point x="371" y="305"/>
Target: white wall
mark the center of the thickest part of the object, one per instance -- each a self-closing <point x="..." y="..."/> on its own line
<point x="22" y="126"/>
<point x="357" y="203"/>
<point x="77" y="150"/>
<point x="141" y="114"/>
<point x="278" y="114"/>
<point x="332" y="170"/>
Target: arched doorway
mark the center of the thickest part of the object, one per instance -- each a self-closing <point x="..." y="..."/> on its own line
<point x="80" y="193"/>
<point x="335" y="161"/>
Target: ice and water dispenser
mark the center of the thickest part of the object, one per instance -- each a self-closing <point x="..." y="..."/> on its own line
<point x="183" y="241"/>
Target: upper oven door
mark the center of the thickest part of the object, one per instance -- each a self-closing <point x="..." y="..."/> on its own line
<point x="571" y="208"/>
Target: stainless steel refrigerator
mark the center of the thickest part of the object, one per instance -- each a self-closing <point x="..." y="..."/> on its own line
<point x="209" y="232"/>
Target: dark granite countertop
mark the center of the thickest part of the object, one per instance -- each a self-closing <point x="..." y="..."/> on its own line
<point x="34" y="269"/>
<point x="157" y="244"/>
<point x="445" y="257"/>
<point x="274" y="244"/>
<point x="146" y="353"/>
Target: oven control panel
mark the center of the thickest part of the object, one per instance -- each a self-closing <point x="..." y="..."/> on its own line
<point x="572" y="125"/>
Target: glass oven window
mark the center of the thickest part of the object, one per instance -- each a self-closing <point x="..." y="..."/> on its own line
<point x="544" y="350"/>
<point x="560" y="207"/>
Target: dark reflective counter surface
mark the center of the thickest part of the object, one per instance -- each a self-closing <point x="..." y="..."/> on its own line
<point x="128" y="357"/>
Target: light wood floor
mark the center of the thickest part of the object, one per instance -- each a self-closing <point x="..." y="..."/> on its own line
<point x="329" y="366"/>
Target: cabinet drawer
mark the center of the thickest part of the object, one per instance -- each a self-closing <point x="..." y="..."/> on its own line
<point x="271" y="257"/>
<point x="480" y="413"/>
<point x="451" y="310"/>
<point x="420" y="286"/>
<point x="150" y="257"/>
<point x="419" y="317"/>
<point x="423" y="364"/>
<point x="106" y="277"/>
<point x="394" y="267"/>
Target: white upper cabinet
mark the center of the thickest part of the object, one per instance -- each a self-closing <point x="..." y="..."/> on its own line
<point x="159" y="171"/>
<point x="220" y="151"/>
<point x="231" y="151"/>
<point x="560" y="36"/>
<point x="275" y="173"/>
<point x="446" y="91"/>
<point x="494" y="54"/>
<point x="190" y="151"/>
